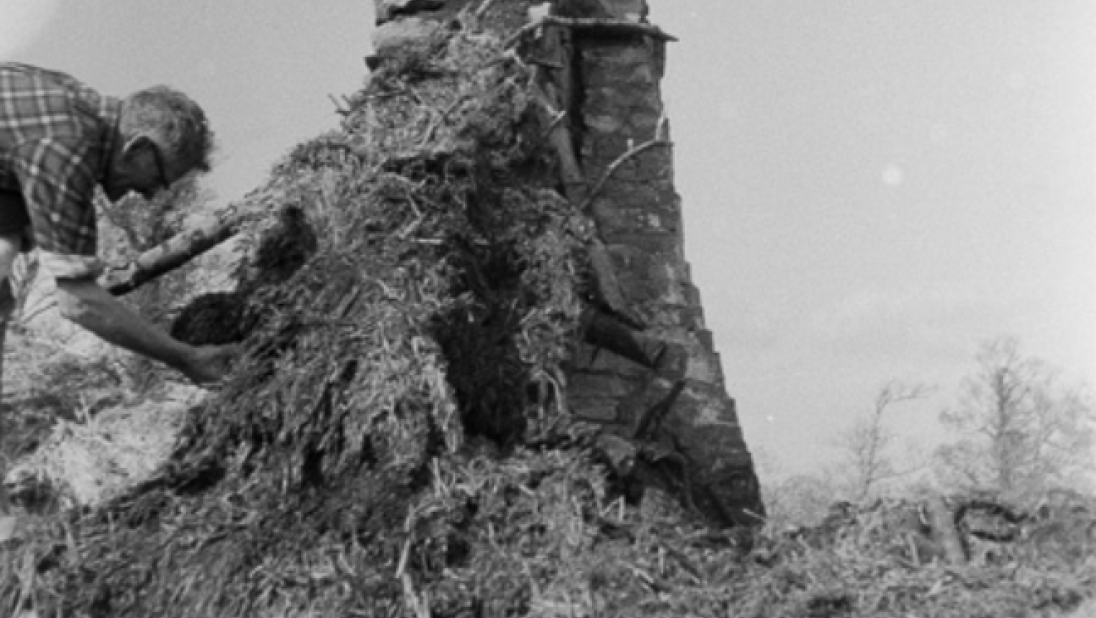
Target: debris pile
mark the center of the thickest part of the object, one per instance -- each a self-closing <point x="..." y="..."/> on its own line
<point x="422" y="283"/>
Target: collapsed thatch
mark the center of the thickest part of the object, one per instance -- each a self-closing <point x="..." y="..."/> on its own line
<point x="87" y="463"/>
<point x="440" y="291"/>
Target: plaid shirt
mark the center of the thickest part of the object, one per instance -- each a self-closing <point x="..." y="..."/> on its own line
<point x="56" y="136"/>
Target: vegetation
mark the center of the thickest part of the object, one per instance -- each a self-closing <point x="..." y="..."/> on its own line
<point x="439" y="294"/>
<point x="1020" y="430"/>
<point x="867" y="442"/>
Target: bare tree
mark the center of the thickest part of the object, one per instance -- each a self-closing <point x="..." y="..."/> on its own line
<point x="866" y="444"/>
<point x="1020" y="430"/>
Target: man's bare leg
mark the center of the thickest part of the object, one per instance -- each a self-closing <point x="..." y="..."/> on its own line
<point x="9" y="250"/>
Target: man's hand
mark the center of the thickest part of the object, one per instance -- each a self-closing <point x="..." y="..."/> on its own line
<point x="90" y="306"/>
<point x="208" y="365"/>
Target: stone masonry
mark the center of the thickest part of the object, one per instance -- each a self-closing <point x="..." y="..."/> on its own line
<point x="616" y="106"/>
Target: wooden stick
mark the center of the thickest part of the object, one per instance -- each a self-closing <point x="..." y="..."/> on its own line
<point x="483" y="8"/>
<point x="166" y="257"/>
<point x="651" y="419"/>
<point x="560" y="138"/>
<point x="607" y="290"/>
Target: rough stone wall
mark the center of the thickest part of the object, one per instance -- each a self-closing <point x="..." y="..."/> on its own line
<point x="617" y="106"/>
<point x="639" y="216"/>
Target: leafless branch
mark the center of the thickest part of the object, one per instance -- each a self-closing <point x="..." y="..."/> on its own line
<point x="615" y="165"/>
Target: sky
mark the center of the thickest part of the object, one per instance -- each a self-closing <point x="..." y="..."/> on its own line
<point x="874" y="188"/>
<point x="871" y="188"/>
<point x="263" y="70"/>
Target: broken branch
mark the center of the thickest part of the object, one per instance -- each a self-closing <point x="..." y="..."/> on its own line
<point x="609" y="171"/>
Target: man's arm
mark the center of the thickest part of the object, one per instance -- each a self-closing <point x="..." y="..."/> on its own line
<point x="87" y="304"/>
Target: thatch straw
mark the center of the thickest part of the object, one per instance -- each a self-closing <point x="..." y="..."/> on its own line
<point x="441" y="284"/>
<point x="90" y="462"/>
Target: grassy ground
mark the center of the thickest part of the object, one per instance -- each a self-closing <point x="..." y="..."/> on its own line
<point x="540" y="533"/>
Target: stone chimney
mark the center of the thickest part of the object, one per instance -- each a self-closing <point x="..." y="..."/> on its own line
<point x="609" y="78"/>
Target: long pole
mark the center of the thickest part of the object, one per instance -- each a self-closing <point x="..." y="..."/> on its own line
<point x="168" y="256"/>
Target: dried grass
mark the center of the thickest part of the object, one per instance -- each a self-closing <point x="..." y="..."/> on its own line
<point x="441" y="292"/>
<point x="93" y="460"/>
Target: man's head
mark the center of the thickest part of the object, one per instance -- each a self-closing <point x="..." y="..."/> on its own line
<point x="163" y="137"/>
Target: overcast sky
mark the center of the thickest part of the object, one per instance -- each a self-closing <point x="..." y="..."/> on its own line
<point x="871" y="187"/>
<point x="874" y="187"/>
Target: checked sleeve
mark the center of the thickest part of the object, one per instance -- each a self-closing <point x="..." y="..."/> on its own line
<point x="58" y="185"/>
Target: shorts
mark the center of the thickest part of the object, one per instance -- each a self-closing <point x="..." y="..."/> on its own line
<point x="14" y="218"/>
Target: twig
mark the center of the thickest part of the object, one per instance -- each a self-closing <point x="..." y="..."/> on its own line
<point x="560" y="117"/>
<point x="338" y="106"/>
<point x="392" y="93"/>
<point x="483" y="8"/>
<point x="652" y="418"/>
<point x="540" y="62"/>
<point x="405" y="551"/>
<point x="609" y="171"/>
<point x="682" y="561"/>
<point x="38" y="310"/>
<point x="442" y="116"/>
<point x="607" y="289"/>
<point x="420" y="606"/>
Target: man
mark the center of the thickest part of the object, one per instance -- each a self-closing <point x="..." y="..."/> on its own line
<point x="59" y="140"/>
